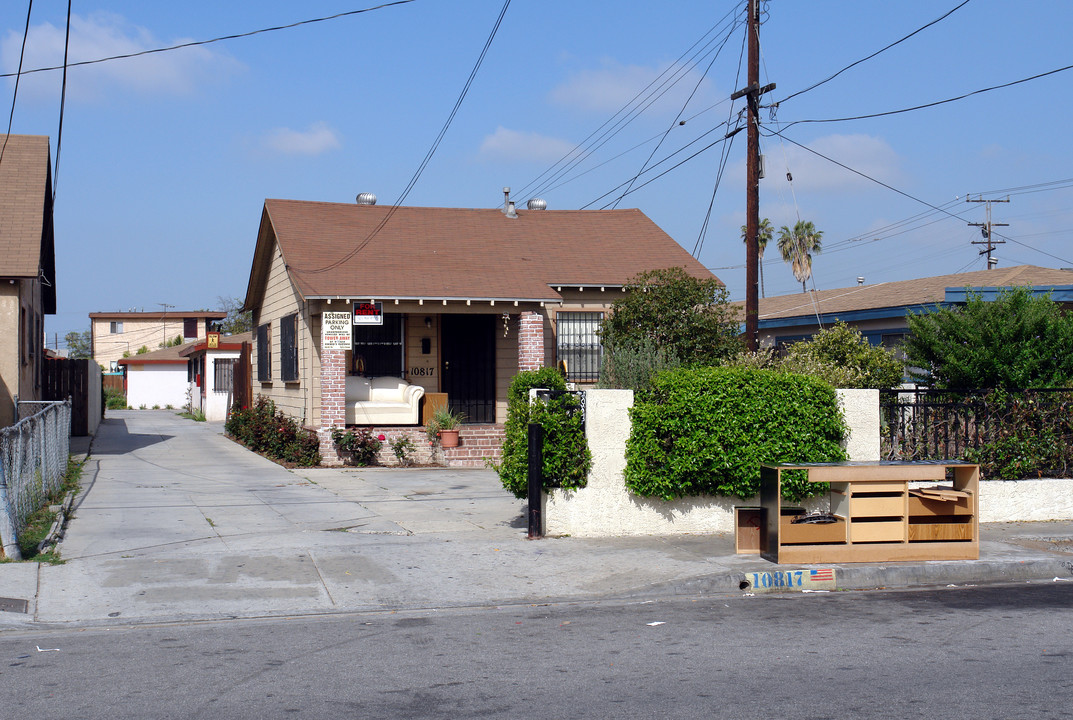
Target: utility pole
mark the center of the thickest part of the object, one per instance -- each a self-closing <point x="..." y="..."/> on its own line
<point x="164" y="317"/>
<point x="985" y="230"/>
<point x="752" y="93"/>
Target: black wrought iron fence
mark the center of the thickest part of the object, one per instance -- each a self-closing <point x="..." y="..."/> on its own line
<point x="929" y="424"/>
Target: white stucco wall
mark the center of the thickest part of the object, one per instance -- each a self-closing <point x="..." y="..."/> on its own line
<point x="215" y="401"/>
<point x="1026" y="500"/>
<point x="606" y="508"/>
<point x="161" y="385"/>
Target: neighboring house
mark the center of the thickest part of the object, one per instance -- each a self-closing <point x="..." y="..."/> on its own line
<point x="157" y="379"/>
<point x="27" y="268"/>
<point x="461" y="299"/>
<point x="879" y="310"/>
<point x="210" y="369"/>
<point x="116" y="334"/>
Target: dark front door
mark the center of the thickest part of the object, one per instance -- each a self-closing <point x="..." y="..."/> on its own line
<point x="469" y="365"/>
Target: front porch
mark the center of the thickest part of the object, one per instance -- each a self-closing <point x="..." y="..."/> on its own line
<point x="477" y="445"/>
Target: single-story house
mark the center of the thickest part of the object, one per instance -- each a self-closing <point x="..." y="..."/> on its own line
<point x="455" y="301"/>
<point x="879" y="310"/>
<point x="27" y="269"/>
<point x="118" y="334"/>
<point x="157" y="379"/>
<point x="210" y="372"/>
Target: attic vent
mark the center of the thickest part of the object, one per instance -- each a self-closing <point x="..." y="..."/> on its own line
<point x="537" y="204"/>
<point x="366" y="199"/>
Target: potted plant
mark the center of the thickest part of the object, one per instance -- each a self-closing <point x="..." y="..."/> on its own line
<point x="443" y="427"/>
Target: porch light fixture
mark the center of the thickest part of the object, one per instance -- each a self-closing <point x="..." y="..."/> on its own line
<point x="428" y="322"/>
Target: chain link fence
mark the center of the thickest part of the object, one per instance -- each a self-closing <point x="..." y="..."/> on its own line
<point x="33" y="462"/>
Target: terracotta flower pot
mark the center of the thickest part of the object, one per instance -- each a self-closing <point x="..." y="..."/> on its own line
<point x="449" y="438"/>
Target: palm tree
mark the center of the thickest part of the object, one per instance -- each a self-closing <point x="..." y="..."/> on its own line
<point x="797" y="247"/>
<point x="766" y="232"/>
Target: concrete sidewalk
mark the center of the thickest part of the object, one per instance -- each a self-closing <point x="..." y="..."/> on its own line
<point x="177" y="522"/>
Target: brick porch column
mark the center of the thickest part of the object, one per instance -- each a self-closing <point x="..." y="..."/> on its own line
<point x="332" y="402"/>
<point x="531" y="341"/>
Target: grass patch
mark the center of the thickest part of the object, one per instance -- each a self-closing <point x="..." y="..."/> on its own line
<point x="40" y="522"/>
<point x="196" y="415"/>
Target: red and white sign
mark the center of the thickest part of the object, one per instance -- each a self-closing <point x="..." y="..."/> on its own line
<point x="368" y="313"/>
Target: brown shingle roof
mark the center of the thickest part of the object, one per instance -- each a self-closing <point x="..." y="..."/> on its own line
<point x="25" y="198"/>
<point x="925" y="291"/>
<point x="459" y="253"/>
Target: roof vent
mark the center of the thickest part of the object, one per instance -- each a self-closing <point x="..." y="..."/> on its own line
<point x="366" y="199"/>
<point x="510" y="210"/>
<point x="860" y="280"/>
<point x="537" y="204"/>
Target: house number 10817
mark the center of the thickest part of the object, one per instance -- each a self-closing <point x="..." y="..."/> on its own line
<point x="421" y="372"/>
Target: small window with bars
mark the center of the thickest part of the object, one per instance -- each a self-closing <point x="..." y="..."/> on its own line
<point x="223" y="375"/>
<point x="578" y="345"/>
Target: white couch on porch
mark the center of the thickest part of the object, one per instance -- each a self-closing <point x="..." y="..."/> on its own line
<point x="382" y="401"/>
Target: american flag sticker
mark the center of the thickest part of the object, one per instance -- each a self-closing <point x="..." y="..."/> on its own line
<point x="822" y="575"/>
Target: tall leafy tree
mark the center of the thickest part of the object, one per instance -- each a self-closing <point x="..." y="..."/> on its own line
<point x="797" y="246"/>
<point x="79" y="344"/>
<point x="685" y="316"/>
<point x="236" y="321"/>
<point x="764" y="236"/>
<point x="1017" y="341"/>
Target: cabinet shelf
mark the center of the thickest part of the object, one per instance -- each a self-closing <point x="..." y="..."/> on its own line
<point x="879" y="517"/>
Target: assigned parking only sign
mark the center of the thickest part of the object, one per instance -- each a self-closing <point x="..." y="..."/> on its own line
<point x="335" y="330"/>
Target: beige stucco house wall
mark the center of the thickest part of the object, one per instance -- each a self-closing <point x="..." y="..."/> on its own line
<point x="119" y="333"/>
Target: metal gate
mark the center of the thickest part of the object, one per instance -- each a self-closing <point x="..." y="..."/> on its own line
<point x="469" y="366"/>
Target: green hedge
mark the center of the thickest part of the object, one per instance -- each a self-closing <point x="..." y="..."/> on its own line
<point x="566" y="454"/>
<point x="706" y="431"/>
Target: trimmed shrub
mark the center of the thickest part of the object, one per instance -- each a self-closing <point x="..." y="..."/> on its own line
<point x="567" y="459"/>
<point x="706" y="431"/>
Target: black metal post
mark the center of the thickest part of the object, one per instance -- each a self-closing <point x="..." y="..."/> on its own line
<point x="536" y="480"/>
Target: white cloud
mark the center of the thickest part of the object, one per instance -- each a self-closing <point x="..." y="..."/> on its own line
<point x="613" y="85"/>
<point x="506" y="144"/>
<point x="866" y="154"/>
<point x="316" y="140"/>
<point x="104" y="35"/>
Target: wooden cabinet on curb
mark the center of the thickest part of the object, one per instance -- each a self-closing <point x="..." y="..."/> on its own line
<point x="884" y="511"/>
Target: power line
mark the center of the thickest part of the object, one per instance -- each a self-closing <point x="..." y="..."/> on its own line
<point x="674" y="123"/>
<point x="933" y="104"/>
<point x="647" y="95"/>
<point x="877" y="52"/>
<point x="428" y="156"/>
<point x="196" y="43"/>
<point x="15" y="94"/>
<point x="63" y="100"/>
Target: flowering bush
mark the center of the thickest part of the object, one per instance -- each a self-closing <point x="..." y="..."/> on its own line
<point x="264" y="430"/>
<point x="359" y="444"/>
<point x="404" y="448"/>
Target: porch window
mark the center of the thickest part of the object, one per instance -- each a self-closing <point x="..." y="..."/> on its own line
<point x="378" y="349"/>
<point x="264" y="352"/>
<point x="115" y="327"/>
<point x="578" y="344"/>
<point x="288" y="348"/>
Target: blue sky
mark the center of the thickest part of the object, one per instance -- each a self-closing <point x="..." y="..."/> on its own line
<point x="166" y="159"/>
